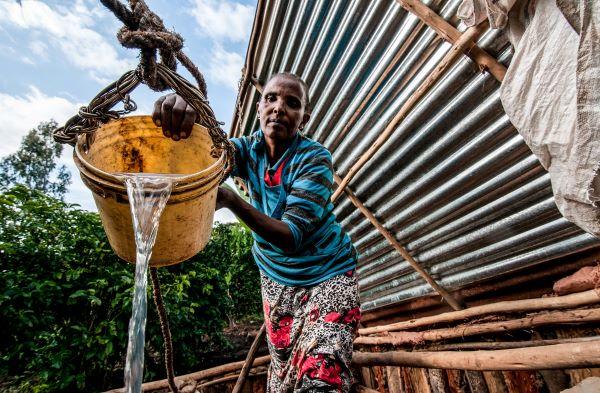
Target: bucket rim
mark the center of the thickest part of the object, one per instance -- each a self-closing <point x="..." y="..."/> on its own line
<point x="188" y="179"/>
<point x="179" y="192"/>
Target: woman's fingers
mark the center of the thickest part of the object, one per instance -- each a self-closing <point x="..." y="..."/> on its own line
<point x="157" y="112"/>
<point x="185" y="129"/>
<point x="173" y="114"/>
<point x="167" y="115"/>
<point x="183" y="119"/>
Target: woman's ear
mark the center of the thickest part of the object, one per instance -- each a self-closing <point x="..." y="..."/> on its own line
<point x="305" y="118"/>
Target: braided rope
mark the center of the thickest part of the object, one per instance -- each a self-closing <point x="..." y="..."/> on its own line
<point x="164" y="328"/>
<point x="98" y="111"/>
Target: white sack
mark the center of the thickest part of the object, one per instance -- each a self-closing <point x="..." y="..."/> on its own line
<point x="473" y="12"/>
<point x="551" y="94"/>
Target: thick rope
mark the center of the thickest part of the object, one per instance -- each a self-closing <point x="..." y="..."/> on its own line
<point x="145" y="30"/>
<point x="164" y="327"/>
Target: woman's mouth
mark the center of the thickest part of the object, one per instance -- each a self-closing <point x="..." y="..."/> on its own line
<point x="277" y="123"/>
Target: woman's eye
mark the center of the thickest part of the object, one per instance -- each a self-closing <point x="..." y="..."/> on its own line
<point x="293" y="103"/>
<point x="270" y="98"/>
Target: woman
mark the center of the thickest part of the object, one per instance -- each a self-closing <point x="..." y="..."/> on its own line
<point x="306" y="260"/>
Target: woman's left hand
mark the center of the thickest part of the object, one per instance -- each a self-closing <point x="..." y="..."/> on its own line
<point x="224" y="197"/>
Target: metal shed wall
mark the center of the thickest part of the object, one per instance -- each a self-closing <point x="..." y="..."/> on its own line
<point x="455" y="183"/>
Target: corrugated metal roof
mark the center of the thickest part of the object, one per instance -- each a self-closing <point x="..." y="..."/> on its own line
<point x="455" y="183"/>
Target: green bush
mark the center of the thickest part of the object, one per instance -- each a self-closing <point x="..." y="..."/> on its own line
<point x="66" y="298"/>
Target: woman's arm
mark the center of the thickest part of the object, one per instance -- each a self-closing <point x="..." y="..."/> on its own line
<point x="273" y="231"/>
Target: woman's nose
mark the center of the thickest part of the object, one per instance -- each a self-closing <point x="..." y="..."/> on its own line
<point x="278" y="107"/>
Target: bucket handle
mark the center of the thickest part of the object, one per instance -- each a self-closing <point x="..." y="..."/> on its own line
<point x="99" y="111"/>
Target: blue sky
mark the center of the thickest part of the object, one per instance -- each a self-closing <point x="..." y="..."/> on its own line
<point x="55" y="55"/>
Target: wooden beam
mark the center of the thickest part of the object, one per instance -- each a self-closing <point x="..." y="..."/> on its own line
<point x="364" y="389"/>
<point x="464" y="43"/>
<point x="531" y="321"/>
<point x="390" y="238"/>
<point x="527" y="305"/>
<point x="470" y="346"/>
<point x="560" y="356"/>
<point x="229" y="378"/>
<point x="452" y="35"/>
<point x="198" y="375"/>
<point x="249" y="360"/>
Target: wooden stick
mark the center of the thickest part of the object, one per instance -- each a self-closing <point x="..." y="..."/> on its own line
<point x="476" y="382"/>
<point x="542" y="319"/>
<point x="464" y="43"/>
<point x="249" y="359"/>
<point x="560" y="356"/>
<point x="548" y="303"/>
<point x="364" y="389"/>
<point x="198" y="375"/>
<point x="506" y="344"/>
<point x="451" y="34"/>
<point x="390" y="238"/>
<point x="228" y="379"/>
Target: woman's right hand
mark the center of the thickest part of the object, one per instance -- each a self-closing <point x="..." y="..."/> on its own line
<point x="174" y="115"/>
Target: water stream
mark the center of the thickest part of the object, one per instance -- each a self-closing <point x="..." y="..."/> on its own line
<point x="148" y="195"/>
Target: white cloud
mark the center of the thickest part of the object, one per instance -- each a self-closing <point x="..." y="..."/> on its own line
<point x="225" y="67"/>
<point x="69" y="31"/>
<point x="224" y="19"/>
<point x="39" y="49"/>
<point x="27" y="60"/>
<point x="26" y="112"/>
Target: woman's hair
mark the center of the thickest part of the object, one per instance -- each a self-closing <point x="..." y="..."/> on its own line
<point x="297" y="79"/>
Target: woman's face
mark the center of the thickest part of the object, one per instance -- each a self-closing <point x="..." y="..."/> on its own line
<point x="281" y="109"/>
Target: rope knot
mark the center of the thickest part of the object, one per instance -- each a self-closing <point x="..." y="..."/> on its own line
<point x="146" y="31"/>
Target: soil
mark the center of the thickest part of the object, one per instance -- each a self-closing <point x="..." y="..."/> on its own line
<point x="241" y="337"/>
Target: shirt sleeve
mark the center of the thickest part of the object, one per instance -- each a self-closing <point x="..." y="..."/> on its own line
<point x="241" y="157"/>
<point x="306" y="203"/>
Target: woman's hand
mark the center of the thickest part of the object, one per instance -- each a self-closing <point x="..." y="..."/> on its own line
<point x="224" y="198"/>
<point x="174" y="115"/>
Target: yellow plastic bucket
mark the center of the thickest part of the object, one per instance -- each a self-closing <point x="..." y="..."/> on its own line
<point x="135" y="145"/>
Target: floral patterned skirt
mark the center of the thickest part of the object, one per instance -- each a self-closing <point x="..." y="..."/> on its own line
<point x="310" y="331"/>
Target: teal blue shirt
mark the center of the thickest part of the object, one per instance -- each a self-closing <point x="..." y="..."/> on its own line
<point x="321" y="249"/>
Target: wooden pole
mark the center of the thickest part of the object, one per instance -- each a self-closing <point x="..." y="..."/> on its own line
<point x="364" y="389"/>
<point x="541" y="319"/>
<point x="548" y="303"/>
<point x="198" y="375"/>
<point x="249" y="360"/>
<point x="463" y="44"/>
<point x="392" y="240"/>
<point x="451" y="34"/>
<point x="548" y="357"/>
<point x="227" y="379"/>
<point x="506" y="344"/>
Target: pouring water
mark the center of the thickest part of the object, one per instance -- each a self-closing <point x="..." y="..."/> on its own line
<point x="148" y="195"/>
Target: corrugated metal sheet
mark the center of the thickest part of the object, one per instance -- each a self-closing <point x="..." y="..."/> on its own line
<point x="455" y="183"/>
